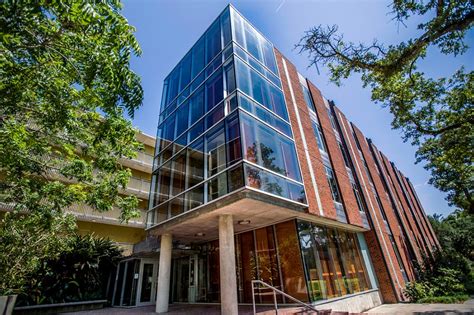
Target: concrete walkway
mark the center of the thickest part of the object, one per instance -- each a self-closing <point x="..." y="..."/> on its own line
<point x="425" y="309"/>
<point x="174" y="309"/>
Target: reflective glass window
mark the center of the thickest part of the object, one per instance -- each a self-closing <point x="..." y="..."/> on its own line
<point x="226" y="31"/>
<point x="262" y="91"/>
<point x="237" y="28"/>
<point x="195" y="163"/>
<point x="269" y="56"/>
<point x="319" y="136"/>
<point x="292" y="272"/>
<point x="230" y="78"/>
<point x="308" y="98"/>
<point x="198" y="56"/>
<point x="214" y="90"/>
<point x="185" y="71"/>
<point x="215" y="149"/>
<point x="173" y="87"/>
<point x="267" y="262"/>
<point x="196" y="131"/>
<point x="336" y="196"/>
<point x="234" y="150"/>
<point x="235" y="178"/>
<point x="194" y="198"/>
<point x="196" y="106"/>
<point x="213" y="41"/>
<point x="217" y="187"/>
<point x="176" y="206"/>
<point x="182" y="118"/>
<point x="252" y="42"/>
<point x="179" y="172"/>
<point x="264" y="146"/>
<point x="164" y="183"/>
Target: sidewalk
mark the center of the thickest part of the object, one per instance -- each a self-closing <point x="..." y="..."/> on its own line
<point x="425" y="309"/>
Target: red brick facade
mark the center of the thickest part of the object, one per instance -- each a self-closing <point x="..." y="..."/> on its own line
<point x="399" y="232"/>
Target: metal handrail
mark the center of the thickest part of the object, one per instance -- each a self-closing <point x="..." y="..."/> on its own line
<point x="275" y="291"/>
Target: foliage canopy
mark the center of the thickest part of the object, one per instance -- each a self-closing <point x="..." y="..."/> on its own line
<point x="65" y="83"/>
<point x="436" y="114"/>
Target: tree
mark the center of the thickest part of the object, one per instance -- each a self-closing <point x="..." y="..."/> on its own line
<point x="65" y="83"/>
<point x="434" y="114"/>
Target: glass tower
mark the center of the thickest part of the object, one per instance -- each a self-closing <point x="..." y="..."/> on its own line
<point x="223" y="124"/>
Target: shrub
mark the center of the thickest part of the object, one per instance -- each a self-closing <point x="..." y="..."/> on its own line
<point x="445" y="299"/>
<point x="79" y="274"/>
<point x="416" y="291"/>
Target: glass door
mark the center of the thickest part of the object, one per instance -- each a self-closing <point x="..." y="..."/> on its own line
<point x="147" y="282"/>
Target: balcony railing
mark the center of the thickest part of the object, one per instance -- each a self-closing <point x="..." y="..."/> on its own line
<point x="138" y="184"/>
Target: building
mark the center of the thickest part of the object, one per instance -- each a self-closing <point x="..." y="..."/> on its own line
<point x="107" y="224"/>
<point x="257" y="176"/>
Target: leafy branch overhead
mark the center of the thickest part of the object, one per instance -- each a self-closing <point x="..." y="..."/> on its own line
<point x="435" y="114"/>
<point x="65" y="84"/>
<point x="63" y="63"/>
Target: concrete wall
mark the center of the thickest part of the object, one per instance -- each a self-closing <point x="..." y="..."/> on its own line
<point x="354" y="303"/>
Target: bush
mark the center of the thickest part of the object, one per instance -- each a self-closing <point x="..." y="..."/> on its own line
<point x="445" y="299"/>
<point x="416" y="291"/>
<point x="79" y="274"/>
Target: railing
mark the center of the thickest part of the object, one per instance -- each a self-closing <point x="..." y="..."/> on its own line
<point x="275" y="291"/>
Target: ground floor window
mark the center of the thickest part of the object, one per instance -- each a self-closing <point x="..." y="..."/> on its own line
<point x="332" y="261"/>
<point x="305" y="260"/>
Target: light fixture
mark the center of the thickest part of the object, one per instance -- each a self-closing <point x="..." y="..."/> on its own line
<point x="243" y="222"/>
<point x="199" y="234"/>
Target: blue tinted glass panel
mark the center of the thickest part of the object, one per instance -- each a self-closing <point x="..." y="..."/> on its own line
<point x="173" y="84"/>
<point x="185" y="71"/>
<point x="252" y="41"/>
<point x="196" y="131"/>
<point x="268" y="56"/>
<point x="195" y="163"/>
<point x="214" y="90"/>
<point x="215" y="150"/>
<point x="267" y="148"/>
<point x="198" y="56"/>
<point x="182" y="118"/>
<point x="226" y="32"/>
<point x="276" y="185"/>
<point x="237" y="29"/>
<point x="254" y="85"/>
<point x="196" y="106"/>
<point x="213" y="41"/>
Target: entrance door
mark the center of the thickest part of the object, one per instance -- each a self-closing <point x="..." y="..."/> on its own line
<point x="147" y="282"/>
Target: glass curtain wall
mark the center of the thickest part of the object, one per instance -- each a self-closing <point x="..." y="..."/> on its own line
<point x="223" y="124"/>
<point x="332" y="261"/>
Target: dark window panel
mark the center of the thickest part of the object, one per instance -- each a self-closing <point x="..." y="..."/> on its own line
<point x="195" y="163"/>
<point x="214" y="90"/>
<point x="198" y="56"/>
<point x="215" y="149"/>
<point x="213" y="41"/>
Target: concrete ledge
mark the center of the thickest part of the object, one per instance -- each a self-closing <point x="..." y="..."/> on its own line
<point x="60" y="307"/>
<point x="353" y="303"/>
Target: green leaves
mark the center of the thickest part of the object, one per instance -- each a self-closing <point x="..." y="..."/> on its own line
<point x="437" y="115"/>
<point x="65" y="82"/>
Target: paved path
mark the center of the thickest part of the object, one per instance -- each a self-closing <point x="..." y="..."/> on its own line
<point x="175" y="309"/>
<point x="425" y="309"/>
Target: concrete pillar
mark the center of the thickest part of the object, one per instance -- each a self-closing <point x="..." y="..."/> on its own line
<point x="227" y="266"/>
<point x="164" y="274"/>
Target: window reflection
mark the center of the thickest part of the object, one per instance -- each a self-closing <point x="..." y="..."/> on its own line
<point x="262" y="91"/>
<point x="265" y="147"/>
<point x="332" y="261"/>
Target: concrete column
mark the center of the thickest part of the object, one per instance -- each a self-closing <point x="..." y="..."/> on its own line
<point x="227" y="266"/>
<point x="164" y="274"/>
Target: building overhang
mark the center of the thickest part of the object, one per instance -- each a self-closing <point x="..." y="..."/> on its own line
<point x="254" y="208"/>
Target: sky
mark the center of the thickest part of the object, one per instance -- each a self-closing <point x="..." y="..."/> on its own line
<point x="167" y="29"/>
